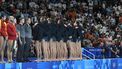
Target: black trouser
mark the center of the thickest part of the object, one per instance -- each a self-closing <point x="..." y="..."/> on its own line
<point x="27" y="48"/>
<point x="20" y="51"/>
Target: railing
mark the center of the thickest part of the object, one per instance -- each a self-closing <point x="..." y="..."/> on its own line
<point x="84" y="55"/>
<point x="93" y="56"/>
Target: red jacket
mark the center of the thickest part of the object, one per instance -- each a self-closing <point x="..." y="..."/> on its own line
<point x="11" y="29"/>
<point x="3" y="31"/>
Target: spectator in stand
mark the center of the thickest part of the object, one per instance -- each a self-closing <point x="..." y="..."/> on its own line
<point x="120" y="50"/>
<point x="120" y="19"/>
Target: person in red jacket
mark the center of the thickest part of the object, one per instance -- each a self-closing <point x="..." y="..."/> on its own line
<point x="1" y="40"/>
<point x="12" y="35"/>
<point x="3" y="37"/>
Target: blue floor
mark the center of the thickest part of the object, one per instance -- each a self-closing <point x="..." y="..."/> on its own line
<point x="68" y="64"/>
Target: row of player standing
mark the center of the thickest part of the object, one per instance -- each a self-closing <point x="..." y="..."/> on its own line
<point x="8" y="36"/>
<point x="10" y="33"/>
<point x="49" y="39"/>
<point x="57" y="40"/>
<point x="24" y="39"/>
